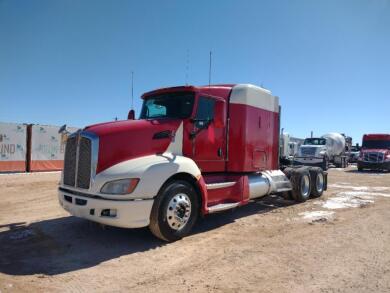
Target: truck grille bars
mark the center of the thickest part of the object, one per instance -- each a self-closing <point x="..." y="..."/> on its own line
<point x="308" y="151"/>
<point x="69" y="172"/>
<point x="374" y="157"/>
<point x="80" y="160"/>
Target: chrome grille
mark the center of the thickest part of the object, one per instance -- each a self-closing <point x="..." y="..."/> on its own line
<point x="78" y="161"/>
<point x="70" y="161"/>
<point x="308" y="151"/>
<point x="374" y="157"/>
<point x="84" y="165"/>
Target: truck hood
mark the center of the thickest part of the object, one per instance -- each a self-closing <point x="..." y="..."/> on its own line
<point x="385" y="151"/>
<point x="124" y="140"/>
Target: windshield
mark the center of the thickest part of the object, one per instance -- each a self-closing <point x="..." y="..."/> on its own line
<point x="376" y="144"/>
<point x="315" y="141"/>
<point x="170" y="105"/>
<point x="354" y="149"/>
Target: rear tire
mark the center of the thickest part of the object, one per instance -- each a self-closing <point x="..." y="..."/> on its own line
<point x="317" y="181"/>
<point x="175" y="211"/>
<point x="287" y="171"/>
<point x="301" y="184"/>
<point x="286" y="195"/>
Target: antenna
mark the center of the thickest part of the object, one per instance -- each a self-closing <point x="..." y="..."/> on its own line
<point x="187" y="65"/>
<point x="210" y="68"/>
<point x="132" y="90"/>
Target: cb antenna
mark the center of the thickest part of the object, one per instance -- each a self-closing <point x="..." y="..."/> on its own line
<point x="132" y="90"/>
<point x="210" y="67"/>
<point x="187" y="65"/>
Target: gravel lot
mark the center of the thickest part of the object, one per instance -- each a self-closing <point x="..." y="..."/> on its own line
<point x="338" y="243"/>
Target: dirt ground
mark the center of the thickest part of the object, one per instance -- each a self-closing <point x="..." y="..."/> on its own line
<point x="338" y="243"/>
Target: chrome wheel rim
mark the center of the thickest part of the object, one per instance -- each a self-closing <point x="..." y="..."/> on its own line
<point x="305" y="185"/>
<point x="320" y="182"/>
<point x="178" y="211"/>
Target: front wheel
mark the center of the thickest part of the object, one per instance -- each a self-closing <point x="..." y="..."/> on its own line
<point x="175" y="211"/>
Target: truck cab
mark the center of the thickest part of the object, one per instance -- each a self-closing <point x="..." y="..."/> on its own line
<point x="313" y="151"/>
<point x="375" y="152"/>
<point x="193" y="151"/>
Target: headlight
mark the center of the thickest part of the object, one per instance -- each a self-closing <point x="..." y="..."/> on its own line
<point x="387" y="157"/>
<point x="121" y="186"/>
<point x="322" y="153"/>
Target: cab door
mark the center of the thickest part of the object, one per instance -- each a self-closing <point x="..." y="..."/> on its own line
<point x="208" y="134"/>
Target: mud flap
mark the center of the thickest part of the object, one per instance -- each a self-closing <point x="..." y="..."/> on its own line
<point x="325" y="180"/>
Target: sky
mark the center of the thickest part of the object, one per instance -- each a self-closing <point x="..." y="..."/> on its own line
<point x="70" y="62"/>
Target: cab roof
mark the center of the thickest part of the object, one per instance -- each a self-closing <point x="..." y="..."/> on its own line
<point x="376" y="136"/>
<point x="245" y="94"/>
<point x="219" y="90"/>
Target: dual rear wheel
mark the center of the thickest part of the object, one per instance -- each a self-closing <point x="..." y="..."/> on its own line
<point x="305" y="182"/>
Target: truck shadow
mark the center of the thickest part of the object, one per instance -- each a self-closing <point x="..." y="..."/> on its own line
<point x="66" y="244"/>
<point x="373" y="172"/>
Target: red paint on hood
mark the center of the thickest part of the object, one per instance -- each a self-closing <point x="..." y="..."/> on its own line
<point x="124" y="140"/>
<point x="368" y="150"/>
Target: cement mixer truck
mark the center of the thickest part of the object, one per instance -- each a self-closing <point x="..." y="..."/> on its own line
<point x="322" y="151"/>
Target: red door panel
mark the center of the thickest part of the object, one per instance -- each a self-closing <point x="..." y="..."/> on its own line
<point x="209" y="143"/>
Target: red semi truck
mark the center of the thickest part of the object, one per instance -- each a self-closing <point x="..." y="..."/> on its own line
<point x="193" y="151"/>
<point x="375" y="152"/>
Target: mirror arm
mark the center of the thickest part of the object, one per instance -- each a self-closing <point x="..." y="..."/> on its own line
<point x="194" y="133"/>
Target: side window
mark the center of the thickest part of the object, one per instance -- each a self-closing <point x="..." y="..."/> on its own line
<point x="205" y="111"/>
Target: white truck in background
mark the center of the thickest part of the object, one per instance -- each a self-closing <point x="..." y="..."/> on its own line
<point x="289" y="147"/>
<point x="321" y="151"/>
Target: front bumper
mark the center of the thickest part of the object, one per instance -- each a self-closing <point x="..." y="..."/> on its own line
<point x="308" y="161"/>
<point x="129" y="213"/>
<point x="374" y="166"/>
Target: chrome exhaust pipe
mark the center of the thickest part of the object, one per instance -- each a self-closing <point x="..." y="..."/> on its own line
<point x="259" y="185"/>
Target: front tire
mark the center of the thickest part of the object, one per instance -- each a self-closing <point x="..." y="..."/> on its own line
<point x="175" y="211"/>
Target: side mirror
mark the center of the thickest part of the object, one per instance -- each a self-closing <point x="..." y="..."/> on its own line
<point x="220" y="114"/>
<point x="131" y="115"/>
<point x="62" y="129"/>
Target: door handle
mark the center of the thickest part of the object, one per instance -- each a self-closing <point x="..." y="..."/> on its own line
<point x="219" y="152"/>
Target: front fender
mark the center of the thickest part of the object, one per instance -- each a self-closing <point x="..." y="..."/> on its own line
<point x="152" y="171"/>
